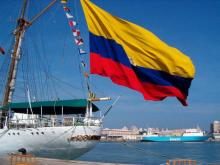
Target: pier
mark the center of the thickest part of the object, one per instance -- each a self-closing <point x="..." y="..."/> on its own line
<point x="31" y="160"/>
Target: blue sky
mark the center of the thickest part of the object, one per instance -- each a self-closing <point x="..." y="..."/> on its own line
<point x="191" y="26"/>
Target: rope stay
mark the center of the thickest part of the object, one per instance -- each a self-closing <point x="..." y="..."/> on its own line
<point x="79" y="42"/>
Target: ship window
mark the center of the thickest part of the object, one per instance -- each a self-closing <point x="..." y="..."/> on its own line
<point x="13" y="133"/>
<point x="9" y="134"/>
<point x="37" y="133"/>
<point x="18" y="133"/>
<point x="32" y="133"/>
<point x="42" y="133"/>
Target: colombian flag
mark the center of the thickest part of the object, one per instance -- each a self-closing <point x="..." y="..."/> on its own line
<point x="134" y="57"/>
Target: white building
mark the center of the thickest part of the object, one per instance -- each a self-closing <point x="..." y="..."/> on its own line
<point x="120" y="134"/>
<point x="215" y="130"/>
<point x="215" y="127"/>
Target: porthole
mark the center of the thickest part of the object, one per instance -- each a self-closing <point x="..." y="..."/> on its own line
<point x="42" y="133"/>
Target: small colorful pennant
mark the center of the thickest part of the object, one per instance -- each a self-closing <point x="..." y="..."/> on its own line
<point x="81" y="51"/>
<point x="72" y="23"/>
<point x="76" y="32"/>
<point x="79" y="41"/>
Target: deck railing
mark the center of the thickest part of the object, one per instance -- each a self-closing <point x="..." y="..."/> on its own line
<point x="54" y="122"/>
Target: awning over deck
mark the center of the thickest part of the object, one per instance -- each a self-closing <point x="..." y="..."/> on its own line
<point x="76" y="106"/>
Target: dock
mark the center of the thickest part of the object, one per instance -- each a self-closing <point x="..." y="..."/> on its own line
<point x="8" y="160"/>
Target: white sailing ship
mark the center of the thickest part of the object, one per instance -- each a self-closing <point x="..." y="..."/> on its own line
<point x="60" y="128"/>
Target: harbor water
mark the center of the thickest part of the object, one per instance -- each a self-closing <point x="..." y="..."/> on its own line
<point x="153" y="152"/>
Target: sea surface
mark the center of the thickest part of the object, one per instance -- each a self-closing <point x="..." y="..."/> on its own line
<point x="151" y="153"/>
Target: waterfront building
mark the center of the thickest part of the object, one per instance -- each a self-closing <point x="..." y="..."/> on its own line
<point x="215" y="130"/>
<point x="120" y="134"/>
<point x="215" y="127"/>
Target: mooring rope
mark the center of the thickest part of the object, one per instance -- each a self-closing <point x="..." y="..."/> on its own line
<point x="3" y="133"/>
<point x="156" y="154"/>
<point x="144" y="151"/>
<point x="52" y="140"/>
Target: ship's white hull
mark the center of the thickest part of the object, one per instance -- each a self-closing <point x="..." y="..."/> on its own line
<point x="49" y="141"/>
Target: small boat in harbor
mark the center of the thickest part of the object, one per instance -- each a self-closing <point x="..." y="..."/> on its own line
<point x="185" y="135"/>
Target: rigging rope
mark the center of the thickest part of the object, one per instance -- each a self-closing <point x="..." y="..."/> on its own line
<point x="43" y="87"/>
<point x="4" y="68"/>
<point x="81" y="53"/>
<point x="4" y="132"/>
<point x="73" y="23"/>
<point x="32" y="70"/>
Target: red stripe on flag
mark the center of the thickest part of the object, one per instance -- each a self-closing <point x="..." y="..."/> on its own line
<point x="125" y="76"/>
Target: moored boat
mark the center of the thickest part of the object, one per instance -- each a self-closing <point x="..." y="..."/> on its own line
<point x="42" y="133"/>
<point x="187" y="135"/>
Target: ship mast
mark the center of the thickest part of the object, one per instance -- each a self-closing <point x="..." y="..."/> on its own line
<point x="19" y="32"/>
<point x="15" y="56"/>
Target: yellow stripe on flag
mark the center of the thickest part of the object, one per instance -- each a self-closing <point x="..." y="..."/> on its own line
<point x="141" y="46"/>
